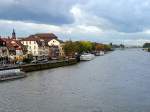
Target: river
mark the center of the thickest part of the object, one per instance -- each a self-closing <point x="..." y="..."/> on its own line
<point x="116" y="82"/>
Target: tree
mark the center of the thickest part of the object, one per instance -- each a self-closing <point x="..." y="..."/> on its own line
<point x="99" y="47"/>
<point x="146" y="45"/>
<point x="69" y="48"/>
<point x="122" y="46"/>
<point x="85" y="46"/>
<point x="28" y="59"/>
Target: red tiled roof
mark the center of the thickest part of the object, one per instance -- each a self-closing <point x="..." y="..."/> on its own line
<point x="10" y="46"/>
<point x="17" y="45"/>
<point x="46" y="36"/>
<point x="39" y="36"/>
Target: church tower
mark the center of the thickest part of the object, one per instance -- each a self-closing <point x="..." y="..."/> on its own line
<point x="13" y="35"/>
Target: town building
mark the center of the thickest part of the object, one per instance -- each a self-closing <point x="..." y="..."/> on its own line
<point x="3" y="52"/>
<point x="16" y="49"/>
<point x="43" y="45"/>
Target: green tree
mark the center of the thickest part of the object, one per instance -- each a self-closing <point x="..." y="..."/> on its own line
<point x="69" y="48"/>
<point x="85" y="46"/>
<point x="146" y="45"/>
<point x="107" y="48"/>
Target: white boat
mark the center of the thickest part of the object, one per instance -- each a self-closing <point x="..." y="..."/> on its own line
<point x="86" y="57"/>
<point x="100" y="53"/>
<point x="11" y="74"/>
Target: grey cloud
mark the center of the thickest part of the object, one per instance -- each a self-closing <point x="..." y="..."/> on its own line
<point x="126" y="15"/>
<point x="40" y="11"/>
<point x="131" y="17"/>
<point x="122" y="15"/>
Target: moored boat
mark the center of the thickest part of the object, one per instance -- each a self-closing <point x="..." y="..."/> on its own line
<point x="11" y="74"/>
<point x="100" y="53"/>
<point x="86" y="57"/>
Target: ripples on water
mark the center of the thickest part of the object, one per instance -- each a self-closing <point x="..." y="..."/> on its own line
<point x="116" y="82"/>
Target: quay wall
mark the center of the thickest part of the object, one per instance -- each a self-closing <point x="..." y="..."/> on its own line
<point x="37" y="67"/>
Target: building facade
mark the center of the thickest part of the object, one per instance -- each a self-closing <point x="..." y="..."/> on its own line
<point x="16" y="50"/>
<point x="43" y="45"/>
<point x="3" y="52"/>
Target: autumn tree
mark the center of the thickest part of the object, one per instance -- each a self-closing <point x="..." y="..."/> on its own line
<point x="69" y="48"/>
<point x="99" y="47"/>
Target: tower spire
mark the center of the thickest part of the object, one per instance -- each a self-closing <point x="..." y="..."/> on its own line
<point x="13" y="34"/>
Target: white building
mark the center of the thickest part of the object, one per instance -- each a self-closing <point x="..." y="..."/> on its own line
<point x="39" y="44"/>
<point x="57" y="43"/>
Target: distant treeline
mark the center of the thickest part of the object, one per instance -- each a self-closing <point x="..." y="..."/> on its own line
<point x="146" y="45"/>
<point x="70" y="47"/>
<point x="117" y="46"/>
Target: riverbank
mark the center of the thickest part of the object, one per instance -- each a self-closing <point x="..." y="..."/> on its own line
<point x="17" y="72"/>
<point x="49" y="65"/>
<point x="35" y="67"/>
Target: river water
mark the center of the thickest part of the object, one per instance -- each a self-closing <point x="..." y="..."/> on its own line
<point x="116" y="82"/>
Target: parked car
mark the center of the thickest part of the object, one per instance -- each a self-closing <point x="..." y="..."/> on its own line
<point x="40" y="61"/>
<point x="43" y="61"/>
<point x="20" y="63"/>
<point x="54" y="58"/>
<point x="34" y="61"/>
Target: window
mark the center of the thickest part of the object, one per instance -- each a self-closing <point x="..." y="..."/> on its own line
<point x="3" y="43"/>
<point x="30" y="42"/>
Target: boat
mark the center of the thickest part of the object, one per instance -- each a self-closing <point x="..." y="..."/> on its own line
<point x="11" y="74"/>
<point x="87" y="57"/>
<point x="100" y="53"/>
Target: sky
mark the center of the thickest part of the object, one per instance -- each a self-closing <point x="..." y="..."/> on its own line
<point x="117" y="21"/>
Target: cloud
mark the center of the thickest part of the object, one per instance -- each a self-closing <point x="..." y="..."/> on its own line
<point x="25" y="28"/>
<point x="126" y="15"/>
<point x="98" y="20"/>
<point x="38" y="11"/>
